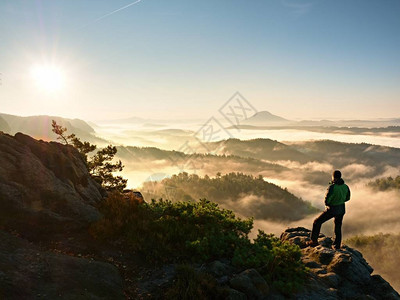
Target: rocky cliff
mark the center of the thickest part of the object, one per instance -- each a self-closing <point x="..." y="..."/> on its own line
<point x="47" y="198"/>
<point x="44" y="187"/>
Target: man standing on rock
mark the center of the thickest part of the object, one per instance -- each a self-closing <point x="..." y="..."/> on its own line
<point x="336" y="196"/>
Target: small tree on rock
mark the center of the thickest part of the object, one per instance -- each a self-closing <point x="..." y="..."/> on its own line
<point x="101" y="168"/>
<point x="100" y="165"/>
<point x="60" y="132"/>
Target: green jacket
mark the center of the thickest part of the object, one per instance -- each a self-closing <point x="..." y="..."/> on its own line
<point x="338" y="193"/>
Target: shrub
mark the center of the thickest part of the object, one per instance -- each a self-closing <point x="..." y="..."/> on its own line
<point x="278" y="262"/>
<point x="201" y="231"/>
<point x="163" y="232"/>
<point x="117" y="217"/>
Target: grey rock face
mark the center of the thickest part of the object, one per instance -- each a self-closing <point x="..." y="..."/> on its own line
<point x="44" y="187"/>
<point x="30" y="273"/>
<point x="337" y="274"/>
<point x="251" y="283"/>
<point x="46" y="192"/>
<point x="218" y="268"/>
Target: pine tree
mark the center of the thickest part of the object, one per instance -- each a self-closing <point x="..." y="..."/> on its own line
<point x="100" y="165"/>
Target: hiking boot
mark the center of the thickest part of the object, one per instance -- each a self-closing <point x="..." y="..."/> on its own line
<point x="312" y="243"/>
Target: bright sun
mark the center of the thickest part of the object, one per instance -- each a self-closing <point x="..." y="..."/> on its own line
<point x="48" y="77"/>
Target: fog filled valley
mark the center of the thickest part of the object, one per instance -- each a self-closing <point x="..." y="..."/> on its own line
<point x="301" y="167"/>
<point x="276" y="176"/>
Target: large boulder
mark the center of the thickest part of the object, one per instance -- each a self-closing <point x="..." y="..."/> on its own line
<point x="27" y="272"/>
<point x="45" y="187"/>
<point x="337" y="274"/>
<point x="218" y="268"/>
<point x="251" y="283"/>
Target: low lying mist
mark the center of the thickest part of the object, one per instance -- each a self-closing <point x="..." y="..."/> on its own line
<point x="368" y="212"/>
<point x="171" y="135"/>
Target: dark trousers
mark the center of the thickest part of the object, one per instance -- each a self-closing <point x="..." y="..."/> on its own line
<point x="325" y="216"/>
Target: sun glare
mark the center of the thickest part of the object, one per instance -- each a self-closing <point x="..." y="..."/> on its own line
<point x="48" y="78"/>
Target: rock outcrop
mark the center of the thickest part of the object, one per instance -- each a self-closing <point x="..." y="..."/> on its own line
<point x="332" y="274"/>
<point x="250" y="283"/>
<point x="48" y="199"/>
<point x="337" y="274"/>
<point x="44" y="187"/>
<point x="27" y="272"/>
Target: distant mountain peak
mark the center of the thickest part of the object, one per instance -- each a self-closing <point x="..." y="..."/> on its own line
<point x="263" y="113"/>
<point x="265" y="118"/>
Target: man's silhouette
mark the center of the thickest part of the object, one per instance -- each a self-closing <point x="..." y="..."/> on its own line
<point x="336" y="196"/>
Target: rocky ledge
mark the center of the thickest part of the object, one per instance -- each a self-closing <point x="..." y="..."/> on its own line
<point x="337" y="274"/>
<point x="332" y="274"/>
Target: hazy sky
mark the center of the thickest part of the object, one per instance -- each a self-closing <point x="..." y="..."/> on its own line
<point x="174" y="59"/>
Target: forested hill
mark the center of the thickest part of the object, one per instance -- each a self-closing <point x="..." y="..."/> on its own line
<point x="40" y="127"/>
<point x="265" y="149"/>
<point x="250" y="196"/>
<point x="145" y="158"/>
<point x="338" y="153"/>
<point x="385" y="184"/>
<point x="343" y="154"/>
